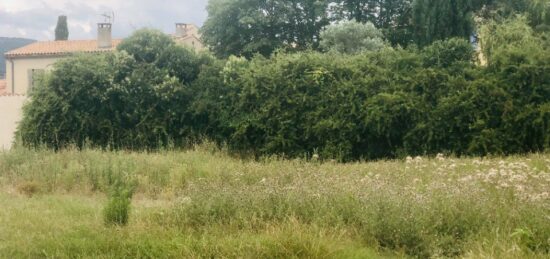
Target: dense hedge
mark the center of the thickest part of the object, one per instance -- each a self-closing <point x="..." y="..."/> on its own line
<point x="132" y="98"/>
<point x="380" y="104"/>
<point x="386" y="104"/>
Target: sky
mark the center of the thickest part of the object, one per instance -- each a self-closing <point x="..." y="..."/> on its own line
<point x="36" y="19"/>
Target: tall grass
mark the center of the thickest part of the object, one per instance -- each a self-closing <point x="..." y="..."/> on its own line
<point x="438" y="207"/>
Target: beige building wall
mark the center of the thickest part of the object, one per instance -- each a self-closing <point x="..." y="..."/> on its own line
<point x="23" y="66"/>
<point x="11" y="108"/>
<point x="192" y="29"/>
<point x="191" y="42"/>
<point x="8" y="76"/>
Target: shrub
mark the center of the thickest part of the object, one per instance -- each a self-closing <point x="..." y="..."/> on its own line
<point x="117" y="209"/>
<point x="136" y="98"/>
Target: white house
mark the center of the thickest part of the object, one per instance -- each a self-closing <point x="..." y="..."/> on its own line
<point x="23" y="64"/>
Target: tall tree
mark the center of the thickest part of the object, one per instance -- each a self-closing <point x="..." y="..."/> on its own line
<point x="246" y="27"/>
<point x="441" y="19"/>
<point x="392" y="17"/>
<point x="539" y="14"/>
<point x="537" y="11"/>
<point x="62" y="30"/>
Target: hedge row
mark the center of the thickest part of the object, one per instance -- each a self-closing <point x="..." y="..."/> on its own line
<point x="383" y="104"/>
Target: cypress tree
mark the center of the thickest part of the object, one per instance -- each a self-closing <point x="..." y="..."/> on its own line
<point x="61" y="31"/>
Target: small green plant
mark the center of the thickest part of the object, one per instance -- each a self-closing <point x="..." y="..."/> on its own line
<point x="117" y="210"/>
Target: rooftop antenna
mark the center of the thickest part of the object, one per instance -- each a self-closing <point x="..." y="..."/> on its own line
<point x="109" y="17"/>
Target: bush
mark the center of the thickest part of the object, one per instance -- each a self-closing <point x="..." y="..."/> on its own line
<point x="136" y="98"/>
<point x="117" y="210"/>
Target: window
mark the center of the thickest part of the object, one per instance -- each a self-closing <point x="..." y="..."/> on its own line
<point x="34" y="76"/>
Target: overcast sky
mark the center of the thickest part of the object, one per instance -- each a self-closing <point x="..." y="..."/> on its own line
<point x="36" y="19"/>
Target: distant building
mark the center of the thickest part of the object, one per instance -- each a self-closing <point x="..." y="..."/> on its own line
<point x="25" y="63"/>
<point x="188" y="35"/>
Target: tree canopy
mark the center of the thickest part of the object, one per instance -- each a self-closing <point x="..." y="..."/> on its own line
<point x="246" y="27"/>
<point x="351" y="37"/>
<point x="441" y="19"/>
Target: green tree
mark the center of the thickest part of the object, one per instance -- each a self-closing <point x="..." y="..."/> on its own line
<point x="509" y="35"/>
<point x="539" y="14"/>
<point x="441" y="19"/>
<point x="156" y="48"/>
<point x="246" y="27"/>
<point x="351" y="37"/>
<point x="536" y="11"/>
<point x="134" y="98"/>
<point x="147" y="45"/>
<point x="392" y="17"/>
<point x="61" y="30"/>
<point x="501" y="9"/>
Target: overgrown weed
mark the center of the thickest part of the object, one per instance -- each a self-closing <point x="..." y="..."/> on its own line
<point x="421" y="207"/>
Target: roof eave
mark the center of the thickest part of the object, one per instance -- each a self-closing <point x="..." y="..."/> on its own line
<point x="59" y="54"/>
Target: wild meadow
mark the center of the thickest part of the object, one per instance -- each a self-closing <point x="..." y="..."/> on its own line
<point x="204" y="203"/>
<point x="312" y="109"/>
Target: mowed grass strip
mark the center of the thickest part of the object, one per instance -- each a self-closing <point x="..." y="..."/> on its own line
<point x="204" y="203"/>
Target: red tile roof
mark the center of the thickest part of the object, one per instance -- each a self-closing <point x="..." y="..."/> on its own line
<point x="52" y="48"/>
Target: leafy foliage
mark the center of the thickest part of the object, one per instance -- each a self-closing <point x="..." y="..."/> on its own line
<point x="376" y="104"/>
<point x="351" y="37"/>
<point x="392" y="17"/>
<point x="247" y="27"/>
<point x="437" y="20"/>
<point x="381" y="104"/>
<point x="124" y="99"/>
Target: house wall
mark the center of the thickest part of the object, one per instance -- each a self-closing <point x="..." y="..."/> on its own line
<point x="11" y="107"/>
<point x="22" y="66"/>
<point x="8" y="76"/>
<point x="192" y="29"/>
<point x="190" y="42"/>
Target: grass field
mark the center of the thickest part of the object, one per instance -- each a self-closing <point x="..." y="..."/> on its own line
<point x="204" y="203"/>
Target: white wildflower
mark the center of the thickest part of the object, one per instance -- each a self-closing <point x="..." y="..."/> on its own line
<point x="408" y="160"/>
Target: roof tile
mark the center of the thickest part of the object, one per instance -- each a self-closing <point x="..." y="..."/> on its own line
<point x="51" y="48"/>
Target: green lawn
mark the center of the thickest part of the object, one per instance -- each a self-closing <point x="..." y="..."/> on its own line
<point x="204" y="203"/>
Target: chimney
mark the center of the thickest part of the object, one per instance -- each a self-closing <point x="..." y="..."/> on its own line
<point x="181" y="29"/>
<point x="104" y="39"/>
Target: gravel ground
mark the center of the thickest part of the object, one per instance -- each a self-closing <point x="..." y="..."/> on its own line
<point x="10" y="114"/>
